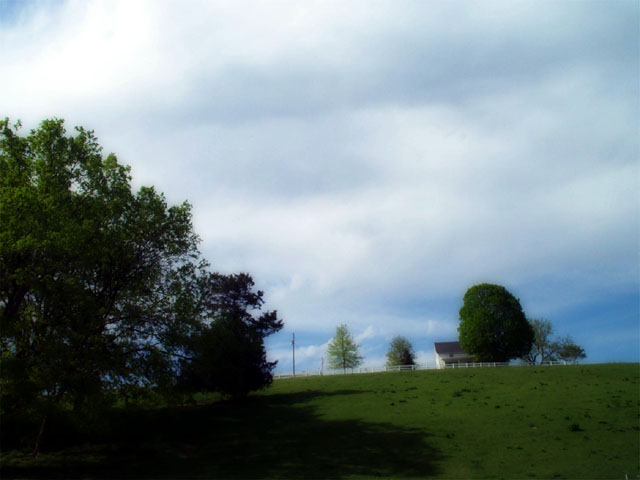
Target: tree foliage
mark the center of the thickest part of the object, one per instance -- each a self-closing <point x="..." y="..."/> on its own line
<point x="492" y="324"/>
<point x="87" y="266"/>
<point x="566" y="349"/>
<point x="228" y="355"/>
<point x="343" y="350"/>
<point x="544" y="349"/>
<point x="400" y="352"/>
<point x="102" y="289"/>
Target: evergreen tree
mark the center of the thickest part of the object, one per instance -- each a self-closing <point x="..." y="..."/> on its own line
<point x="227" y="354"/>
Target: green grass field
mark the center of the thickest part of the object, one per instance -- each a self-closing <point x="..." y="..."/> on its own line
<point x="518" y="422"/>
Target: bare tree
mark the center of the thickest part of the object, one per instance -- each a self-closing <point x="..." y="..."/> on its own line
<point x="542" y="348"/>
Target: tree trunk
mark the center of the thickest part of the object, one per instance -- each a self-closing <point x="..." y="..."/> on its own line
<point x="36" y="448"/>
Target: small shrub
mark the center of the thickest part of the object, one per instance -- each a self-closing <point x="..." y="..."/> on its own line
<point x="574" y="427"/>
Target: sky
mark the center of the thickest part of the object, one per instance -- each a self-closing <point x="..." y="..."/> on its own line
<point x="369" y="161"/>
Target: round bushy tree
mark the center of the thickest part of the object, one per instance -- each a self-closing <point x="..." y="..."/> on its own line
<point x="400" y="352"/>
<point x="493" y="326"/>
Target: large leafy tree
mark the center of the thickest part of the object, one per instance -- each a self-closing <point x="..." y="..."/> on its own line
<point x="343" y="350"/>
<point x="400" y="352"/>
<point x="91" y="273"/>
<point x="493" y="326"/>
<point x="102" y="289"/>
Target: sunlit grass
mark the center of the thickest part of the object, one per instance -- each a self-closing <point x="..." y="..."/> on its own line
<point x="568" y="422"/>
<point x="516" y="422"/>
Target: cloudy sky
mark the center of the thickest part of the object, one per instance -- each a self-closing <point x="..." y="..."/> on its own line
<point x="369" y="161"/>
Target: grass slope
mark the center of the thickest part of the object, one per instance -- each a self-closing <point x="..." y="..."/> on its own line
<point x="517" y="422"/>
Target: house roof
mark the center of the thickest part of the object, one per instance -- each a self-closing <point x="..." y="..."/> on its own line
<point x="448" y="348"/>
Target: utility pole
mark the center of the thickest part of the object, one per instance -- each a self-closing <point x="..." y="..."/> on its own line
<point x="293" y="348"/>
<point x="322" y="367"/>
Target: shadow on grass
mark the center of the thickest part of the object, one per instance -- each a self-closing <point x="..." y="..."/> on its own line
<point x="266" y="436"/>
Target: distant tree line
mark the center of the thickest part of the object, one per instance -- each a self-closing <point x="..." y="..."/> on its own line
<point x="103" y="292"/>
<point x="343" y="353"/>
<point x="493" y="328"/>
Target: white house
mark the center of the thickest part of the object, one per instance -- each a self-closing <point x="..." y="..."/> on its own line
<point x="450" y="352"/>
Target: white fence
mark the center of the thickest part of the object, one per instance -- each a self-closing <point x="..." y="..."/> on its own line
<point x="404" y="368"/>
<point x="503" y="364"/>
<point x="476" y="364"/>
<point x="350" y="371"/>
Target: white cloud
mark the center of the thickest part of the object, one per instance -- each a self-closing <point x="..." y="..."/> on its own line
<point x="368" y="333"/>
<point x="366" y="163"/>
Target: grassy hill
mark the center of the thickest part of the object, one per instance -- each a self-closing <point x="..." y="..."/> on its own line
<point x="518" y="422"/>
